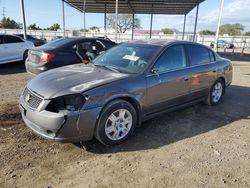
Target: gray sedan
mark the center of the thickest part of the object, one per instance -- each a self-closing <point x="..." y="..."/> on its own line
<point x="120" y="89"/>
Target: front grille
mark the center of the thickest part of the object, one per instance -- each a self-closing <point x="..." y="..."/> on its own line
<point x="31" y="99"/>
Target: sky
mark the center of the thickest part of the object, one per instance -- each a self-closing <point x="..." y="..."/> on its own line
<point x="47" y="12"/>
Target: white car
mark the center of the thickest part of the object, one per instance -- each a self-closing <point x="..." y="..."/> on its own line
<point x="13" y="48"/>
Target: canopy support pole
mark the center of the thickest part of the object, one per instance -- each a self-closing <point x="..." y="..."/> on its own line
<point x="184" y="26"/>
<point x="84" y="17"/>
<point x="105" y="19"/>
<point x="151" y="23"/>
<point x="218" y="26"/>
<point x="133" y="25"/>
<point x="116" y="20"/>
<point x="23" y="18"/>
<point x="195" y="24"/>
<point x="63" y="17"/>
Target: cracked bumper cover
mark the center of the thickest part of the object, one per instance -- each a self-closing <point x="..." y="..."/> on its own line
<point x="61" y="127"/>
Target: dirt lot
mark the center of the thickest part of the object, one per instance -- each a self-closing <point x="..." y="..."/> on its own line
<point x="199" y="146"/>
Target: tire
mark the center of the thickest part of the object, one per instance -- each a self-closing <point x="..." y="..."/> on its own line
<point x="111" y="128"/>
<point x="25" y="55"/>
<point x="216" y="93"/>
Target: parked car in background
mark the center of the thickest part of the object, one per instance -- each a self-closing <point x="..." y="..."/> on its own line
<point x="57" y="37"/>
<point x="65" y="51"/>
<point x="36" y="41"/>
<point x="121" y="88"/>
<point x="222" y="44"/>
<point x="13" y="48"/>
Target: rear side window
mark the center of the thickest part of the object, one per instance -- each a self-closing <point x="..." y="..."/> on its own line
<point x="198" y="55"/>
<point x="211" y="54"/>
<point x="12" y="39"/>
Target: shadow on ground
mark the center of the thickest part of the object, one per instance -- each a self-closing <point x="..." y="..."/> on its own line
<point x="12" y="68"/>
<point x="235" y="56"/>
<point x="182" y="124"/>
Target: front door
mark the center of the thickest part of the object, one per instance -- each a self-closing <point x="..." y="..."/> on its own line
<point x="168" y="82"/>
<point x="14" y="47"/>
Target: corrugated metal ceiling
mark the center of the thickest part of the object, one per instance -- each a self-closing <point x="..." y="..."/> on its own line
<point x="136" y="6"/>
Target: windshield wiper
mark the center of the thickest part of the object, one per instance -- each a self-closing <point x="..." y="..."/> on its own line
<point x="113" y="68"/>
<point x="109" y="67"/>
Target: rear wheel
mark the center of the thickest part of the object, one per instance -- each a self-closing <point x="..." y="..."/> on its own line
<point x="116" y="123"/>
<point x="216" y="92"/>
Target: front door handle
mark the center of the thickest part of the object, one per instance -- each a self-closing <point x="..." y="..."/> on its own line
<point x="186" y="78"/>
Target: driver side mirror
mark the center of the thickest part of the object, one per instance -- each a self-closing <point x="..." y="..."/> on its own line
<point x="154" y="70"/>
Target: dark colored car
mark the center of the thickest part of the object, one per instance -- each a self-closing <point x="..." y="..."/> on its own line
<point x="121" y="88"/>
<point x="36" y="41"/>
<point x="65" y="51"/>
<point x="222" y="44"/>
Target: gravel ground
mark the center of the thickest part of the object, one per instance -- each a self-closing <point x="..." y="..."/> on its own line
<point x="199" y="146"/>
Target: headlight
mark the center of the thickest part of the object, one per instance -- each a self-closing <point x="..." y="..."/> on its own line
<point x="69" y="102"/>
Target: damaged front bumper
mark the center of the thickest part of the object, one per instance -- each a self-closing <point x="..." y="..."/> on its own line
<point x="64" y="126"/>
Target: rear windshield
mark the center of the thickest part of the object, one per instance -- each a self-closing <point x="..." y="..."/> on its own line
<point x="57" y="42"/>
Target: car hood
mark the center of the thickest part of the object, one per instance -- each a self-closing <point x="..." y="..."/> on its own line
<point x="72" y="79"/>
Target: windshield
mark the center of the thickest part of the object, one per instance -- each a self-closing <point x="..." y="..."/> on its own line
<point x="129" y="58"/>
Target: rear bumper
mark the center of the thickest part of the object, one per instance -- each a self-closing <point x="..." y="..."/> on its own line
<point x="65" y="127"/>
<point x="35" y="68"/>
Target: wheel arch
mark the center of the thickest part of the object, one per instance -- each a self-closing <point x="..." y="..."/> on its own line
<point x="134" y="102"/>
<point x="224" y="81"/>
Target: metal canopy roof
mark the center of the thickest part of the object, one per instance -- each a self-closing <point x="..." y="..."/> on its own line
<point x="136" y="6"/>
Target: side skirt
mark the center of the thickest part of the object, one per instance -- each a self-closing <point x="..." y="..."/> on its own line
<point x="172" y="108"/>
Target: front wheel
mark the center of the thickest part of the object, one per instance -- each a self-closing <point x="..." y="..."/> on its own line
<point x="25" y="55"/>
<point x="116" y="123"/>
<point x="216" y="92"/>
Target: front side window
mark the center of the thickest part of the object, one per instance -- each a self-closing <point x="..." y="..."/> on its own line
<point x="108" y="45"/>
<point x="198" y="55"/>
<point x="1" y="40"/>
<point x="129" y="58"/>
<point x="173" y="58"/>
<point x="12" y="39"/>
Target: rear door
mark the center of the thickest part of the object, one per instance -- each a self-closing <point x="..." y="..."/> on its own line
<point x="168" y="83"/>
<point x="203" y="71"/>
<point x="15" y="47"/>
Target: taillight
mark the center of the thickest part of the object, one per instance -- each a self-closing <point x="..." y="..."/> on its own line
<point x="46" y="57"/>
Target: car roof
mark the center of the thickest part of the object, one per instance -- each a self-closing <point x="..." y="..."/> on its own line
<point x="163" y="42"/>
<point x="158" y="42"/>
<point x="3" y="34"/>
<point x="85" y="38"/>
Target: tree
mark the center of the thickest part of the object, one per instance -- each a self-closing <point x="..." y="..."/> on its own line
<point x="33" y="27"/>
<point x="7" y="23"/>
<point x="167" y="31"/>
<point x="84" y="30"/>
<point x="231" y="29"/>
<point x="125" y="22"/>
<point x="247" y="33"/>
<point x="206" y="32"/>
<point x="94" y="28"/>
<point x="54" y="27"/>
